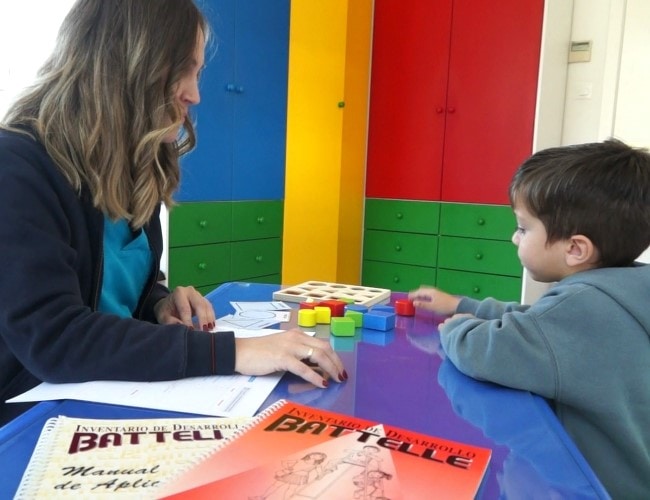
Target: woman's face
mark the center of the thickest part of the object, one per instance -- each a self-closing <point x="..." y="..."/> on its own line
<point x="187" y="90"/>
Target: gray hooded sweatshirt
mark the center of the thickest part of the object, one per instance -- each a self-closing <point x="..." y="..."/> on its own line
<point x="585" y="346"/>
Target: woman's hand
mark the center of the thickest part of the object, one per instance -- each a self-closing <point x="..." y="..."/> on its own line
<point x="434" y="300"/>
<point x="311" y="358"/>
<point x="181" y="305"/>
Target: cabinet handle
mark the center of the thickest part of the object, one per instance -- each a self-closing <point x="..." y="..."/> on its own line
<point x="451" y="110"/>
<point x="476" y="289"/>
<point x="481" y="221"/>
<point x="398" y="248"/>
<point x="479" y="256"/>
<point x="439" y="109"/>
<point x="231" y="87"/>
<point x="258" y="258"/>
<point x="395" y="279"/>
<point x="341" y="104"/>
<point x="203" y="223"/>
<point x="399" y="215"/>
<point x="260" y="220"/>
<point x="203" y="266"/>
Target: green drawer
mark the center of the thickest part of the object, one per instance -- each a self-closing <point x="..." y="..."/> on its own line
<point x="256" y="219"/>
<point x="401" y="248"/>
<point x="399" y="215"/>
<point x="396" y="277"/>
<point x="479" y="286"/>
<point x="494" y="222"/>
<point x="482" y="256"/>
<point x="199" y="265"/>
<point x="255" y="258"/>
<point x="200" y="223"/>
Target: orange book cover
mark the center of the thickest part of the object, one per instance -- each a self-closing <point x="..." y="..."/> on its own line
<point x="295" y="451"/>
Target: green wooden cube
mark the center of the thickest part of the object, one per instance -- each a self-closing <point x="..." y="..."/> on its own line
<point x="342" y="326"/>
<point x="357" y="316"/>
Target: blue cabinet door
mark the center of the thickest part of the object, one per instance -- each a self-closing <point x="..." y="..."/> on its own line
<point x="206" y="172"/>
<point x="241" y="120"/>
<point x="261" y="72"/>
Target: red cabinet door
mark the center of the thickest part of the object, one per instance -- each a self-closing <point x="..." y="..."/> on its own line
<point x="407" y="98"/>
<point x="493" y="71"/>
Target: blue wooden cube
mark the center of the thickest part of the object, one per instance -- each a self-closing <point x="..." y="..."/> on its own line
<point x="383" y="307"/>
<point x="379" y="320"/>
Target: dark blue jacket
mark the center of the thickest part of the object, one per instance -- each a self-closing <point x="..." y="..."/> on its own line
<point x="51" y="250"/>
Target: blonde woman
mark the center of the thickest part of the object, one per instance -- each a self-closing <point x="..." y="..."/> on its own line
<point x="87" y="156"/>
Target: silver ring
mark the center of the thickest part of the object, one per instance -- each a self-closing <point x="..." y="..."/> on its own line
<point x="309" y="353"/>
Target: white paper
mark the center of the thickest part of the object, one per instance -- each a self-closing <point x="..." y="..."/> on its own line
<point x="252" y="319"/>
<point x="222" y="396"/>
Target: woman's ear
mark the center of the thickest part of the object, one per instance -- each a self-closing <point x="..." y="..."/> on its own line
<point x="581" y="252"/>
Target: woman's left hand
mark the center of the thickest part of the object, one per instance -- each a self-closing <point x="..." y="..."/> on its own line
<point x="180" y="306"/>
<point x="310" y="358"/>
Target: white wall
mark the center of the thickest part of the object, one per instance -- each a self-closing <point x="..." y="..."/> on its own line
<point x="608" y="95"/>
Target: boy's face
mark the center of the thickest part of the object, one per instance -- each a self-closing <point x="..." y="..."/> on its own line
<point x="545" y="263"/>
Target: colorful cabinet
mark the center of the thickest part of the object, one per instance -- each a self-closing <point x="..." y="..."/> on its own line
<point x="464" y="249"/>
<point x="228" y="224"/>
<point x="326" y="139"/>
<point x="217" y="242"/>
<point x="452" y="99"/>
<point x="400" y="243"/>
<point x="452" y="109"/>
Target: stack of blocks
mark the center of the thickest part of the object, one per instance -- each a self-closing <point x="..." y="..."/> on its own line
<point x="344" y="317"/>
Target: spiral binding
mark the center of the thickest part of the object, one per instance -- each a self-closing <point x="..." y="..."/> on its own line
<point x="41" y="455"/>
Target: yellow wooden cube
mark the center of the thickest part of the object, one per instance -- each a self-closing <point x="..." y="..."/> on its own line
<point x="323" y="315"/>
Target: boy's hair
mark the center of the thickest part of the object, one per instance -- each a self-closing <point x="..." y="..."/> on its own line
<point x="105" y="100"/>
<point x="599" y="190"/>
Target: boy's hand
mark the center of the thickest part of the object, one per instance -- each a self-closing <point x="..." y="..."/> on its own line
<point x="435" y="300"/>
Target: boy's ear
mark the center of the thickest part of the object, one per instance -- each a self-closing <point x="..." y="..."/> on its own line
<point x="581" y="251"/>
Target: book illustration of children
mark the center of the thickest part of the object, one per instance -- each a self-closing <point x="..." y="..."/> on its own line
<point x="370" y="484"/>
<point x="295" y="475"/>
<point x="366" y="457"/>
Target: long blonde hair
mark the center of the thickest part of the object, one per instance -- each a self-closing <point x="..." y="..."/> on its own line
<point x="104" y="101"/>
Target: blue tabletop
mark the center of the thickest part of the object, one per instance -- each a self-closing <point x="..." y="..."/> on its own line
<point x="399" y="377"/>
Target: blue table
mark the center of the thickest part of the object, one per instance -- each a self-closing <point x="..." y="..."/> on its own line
<point x="399" y="377"/>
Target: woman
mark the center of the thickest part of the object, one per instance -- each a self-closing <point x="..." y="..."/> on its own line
<point x="87" y="155"/>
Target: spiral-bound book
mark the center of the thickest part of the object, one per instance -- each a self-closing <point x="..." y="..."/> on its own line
<point x="93" y="458"/>
<point x="299" y="452"/>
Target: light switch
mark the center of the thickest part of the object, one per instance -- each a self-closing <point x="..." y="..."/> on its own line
<point x="580" y="51"/>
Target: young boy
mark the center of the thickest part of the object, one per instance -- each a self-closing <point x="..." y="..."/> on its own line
<point x="583" y="217"/>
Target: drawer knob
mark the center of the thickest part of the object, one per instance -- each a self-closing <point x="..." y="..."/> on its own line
<point x="260" y="220"/>
<point x="479" y="256"/>
<point x="395" y="279"/>
<point x="258" y="258"/>
<point x="341" y="104"/>
<point x="203" y="223"/>
<point x="398" y="248"/>
<point x="203" y="266"/>
<point x="399" y="215"/>
<point x="439" y="109"/>
<point x="481" y="221"/>
<point x="476" y="289"/>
